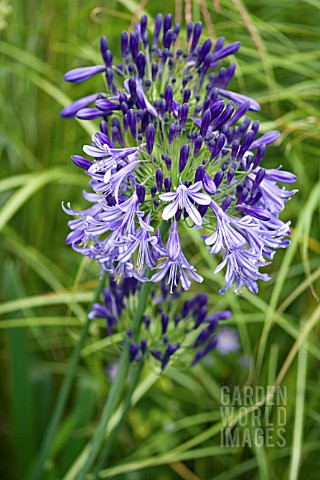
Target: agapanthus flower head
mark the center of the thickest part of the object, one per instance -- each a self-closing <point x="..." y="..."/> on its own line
<point x="176" y="150"/>
<point x="169" y="326"/>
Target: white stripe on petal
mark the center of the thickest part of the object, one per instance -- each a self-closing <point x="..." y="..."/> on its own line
<point x="200" y="198"/>
<point x="193" y="213"/>
<point x="168" y="197"/>
<point x="170" y="210"/>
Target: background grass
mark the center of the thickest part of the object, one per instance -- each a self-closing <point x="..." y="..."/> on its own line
<point x="173" y="429"/>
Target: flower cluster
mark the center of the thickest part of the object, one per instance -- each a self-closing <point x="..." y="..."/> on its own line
<point x="175" y="150"/>
<point x="168" y="327"/>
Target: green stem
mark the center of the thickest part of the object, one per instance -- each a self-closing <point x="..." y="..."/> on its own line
<point x="109" y="407"/>
<point x="65" y="389"/>
<point x="116" y="388"/>
<point x="126" y="405"/>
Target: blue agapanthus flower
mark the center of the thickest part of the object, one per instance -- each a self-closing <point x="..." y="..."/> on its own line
<point x="176" y="150"/>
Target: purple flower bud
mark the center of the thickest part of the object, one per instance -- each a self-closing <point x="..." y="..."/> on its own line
<point x="200" y="315"/>
<point x="108" y="58"/>
<point x="81" y="74"/>
<point x="197" y="145"/>
<point x="159" y="179"/>
<point x="244" y="127"/>
<point x="168" y="161"/>
<point x="145" y="40"/>
<point x="124" y="107"/>
<point x="168" y="39"/>
<point x="247" y="141"/>
<point x="131" y="69"/>
<point x="89" y="113"/>
<point x="124" y="44"/>
<point x="206" y="119"/>
<point x="157" y="28"/>
<point x="259" y="155"/>
<point x="167" y="23"/>
<point x="242" y="110"/>
<point x="186" y="95"/>
<point x="143" y="346"/>
<point x="169" y="352"/>
<point x="141" y="193"/>
<point x="205" y="49"/>
<point x="196" y="35"/>
<point x="208" y="184"/>
<point x="267" y="138"/>
<point x="132" y="122"/>
<point x="167" y="184"/>
<point x="150" y="135"/>
<point x="172" y="133"/>
<point x="235" y="149"/>
<point x="183" y="113"/>
<point x="104" y="48"/>
<point x="141" y="64"/>
<point x="202" y="337"/>
<point x="216" y="109"/>
<point x="226" y="51"/>
<point x="153" y="191"/>
<point x="218" y="178"/>
<point x="154" y="71"/>
<point x="115" y="134"/>
<point x="255" y="127"/>
<point x="224" y="116"/>
<point x="185" y="80"/>
<point x="70" y="111"/>
<point x="176" y="31"/>
<point x="168" y="95"/>
<point x="143" y="24"/>
<point x="106" y="105"/>
<point x="215" y="317"/>
<point x="229" y="74"/>
<point x="156" y="354"/>
<point x="199" y="174"/>
<point x="199" y="355"/>
<point x="189" y="31"/>
<point x="147" y="321"/>
<point x="219" y="144"/>
<point x="81" y="162"/>
<point x="255" y="212"/>
<point x="206" y="64"/>
<point x="164" y="323"/>
<point x="219" y="44"/>
<point x="259" y="177"/>
<point x="226" y="203"/>
<point x="211" y="345"/>
<point x="109" y="76"/>
<point x="134" y="45"/>
<point x="133" y="350"/>
<point x="230" y="176"/>
<point x="184" y="155"/>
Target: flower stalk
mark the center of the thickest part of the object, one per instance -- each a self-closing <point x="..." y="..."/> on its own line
<point x="65" y="389"/>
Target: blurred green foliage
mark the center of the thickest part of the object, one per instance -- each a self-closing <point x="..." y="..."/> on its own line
<point x="172" y="431"/>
